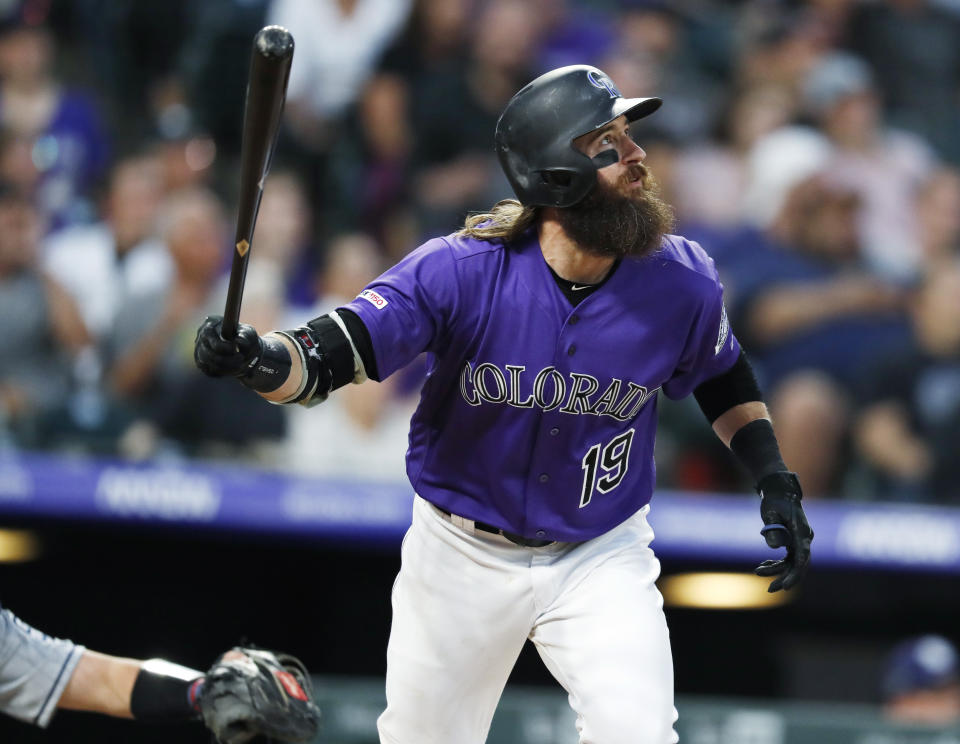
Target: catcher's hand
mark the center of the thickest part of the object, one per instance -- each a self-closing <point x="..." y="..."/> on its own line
<point x="252" y="692"/>
<point x="785" y="525"/>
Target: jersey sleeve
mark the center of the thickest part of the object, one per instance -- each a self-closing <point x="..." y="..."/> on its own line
<point x="711" y="348"/>
<point x="34" y="670"/>
<point x="410" y="307"/>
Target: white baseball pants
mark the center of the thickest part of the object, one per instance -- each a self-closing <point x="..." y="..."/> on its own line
<point x="463" y="605"/>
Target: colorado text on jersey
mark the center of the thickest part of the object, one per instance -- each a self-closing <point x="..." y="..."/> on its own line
<point x="488" y="383"/>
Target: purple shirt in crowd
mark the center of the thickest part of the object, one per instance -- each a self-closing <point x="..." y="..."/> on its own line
<point x="536" y="416"/>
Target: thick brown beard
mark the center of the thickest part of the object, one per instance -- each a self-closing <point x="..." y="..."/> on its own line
<point x="610" y="223"/>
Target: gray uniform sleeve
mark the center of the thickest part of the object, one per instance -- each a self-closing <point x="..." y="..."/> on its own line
<point x="34" y="670"/>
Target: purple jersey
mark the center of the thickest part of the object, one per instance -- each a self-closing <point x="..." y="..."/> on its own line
<point x="536" y="416"/>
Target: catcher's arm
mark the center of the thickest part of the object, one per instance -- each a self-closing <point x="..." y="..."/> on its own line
<point x="299" y="366"/>
<point x="40" y="674"/>
<point x="151" y="690"/>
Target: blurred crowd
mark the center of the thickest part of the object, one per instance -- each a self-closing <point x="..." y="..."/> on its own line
<point x="920" y="682"/>
<point x="812" y="147"/>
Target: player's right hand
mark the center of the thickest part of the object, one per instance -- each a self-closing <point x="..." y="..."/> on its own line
<point x="785" y="525"/>
<point x="218" y="358"/>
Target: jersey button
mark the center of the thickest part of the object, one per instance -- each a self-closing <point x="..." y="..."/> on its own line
<point x="544" y="477"/>
<point x="574" y="319"/>
<point x="541" y="533"/>
<point x="554" y="431"/>
<point x="572" y="350"/>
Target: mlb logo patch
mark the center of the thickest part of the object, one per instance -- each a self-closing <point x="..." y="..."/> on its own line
<point x="373" y="298"/>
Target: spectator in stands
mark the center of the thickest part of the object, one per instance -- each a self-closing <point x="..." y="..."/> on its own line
<point x="338" y="45"/>
<point x="938" y="217"/>
<point x="436" y="35"/>
<point x="213" y="64"/>
<point x="371" y="189"/>
<point x="776" y="45"/>
<point x="453" y="155"/>
<point x="69" y="146"/>
<point x="651" y="37"/>
<point x="799" y="283"/>
<point x="909" y="427"/>
<point x="127" y="48"/>
<point x="186" y="160"/>
<point x="17" y="168"/>
<point x="146" y="325"/>
<point x="883" y="165"/>
<point x="813" y="321"/>
<point x="711" y="177"/>
<point x="372" y="174"/>
<point x="921" y="682"/>
<point x="40" y="320"/>
<point x="914" y="47"/>
<point x="365" y="435"/>
<point x="120" y="258"/>
<point x="283" y="238"/>
<point x="186" y="152"/>
<point x="776" y="162"/>
<point x="573" y="33"/>
<point x="371" y="169"/>
<point x="352" y="260"/>
<point x="832" y="19"/>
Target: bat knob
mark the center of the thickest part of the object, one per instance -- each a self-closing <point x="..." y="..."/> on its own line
<point x="274" y="41"/>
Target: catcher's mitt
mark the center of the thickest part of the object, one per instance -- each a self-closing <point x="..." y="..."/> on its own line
<point x="252" y="692"/>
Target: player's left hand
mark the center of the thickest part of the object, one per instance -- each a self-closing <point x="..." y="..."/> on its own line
<point x="216" y="357"/>
<point x="251" y="692"/>
<point x="785" y="525"/>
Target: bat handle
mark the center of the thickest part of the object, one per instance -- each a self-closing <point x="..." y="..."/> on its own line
<point x="228" y="330"/>
<point x="231" y="321"/>
<point x="238" y="274"/>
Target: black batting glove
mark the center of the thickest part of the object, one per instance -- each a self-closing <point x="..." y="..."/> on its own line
<point x="218" y="358"/>
<point x="785" y="525"/>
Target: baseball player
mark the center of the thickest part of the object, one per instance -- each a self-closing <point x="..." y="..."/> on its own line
<point x="552" y="324"/>
<point x="246" y="692"/>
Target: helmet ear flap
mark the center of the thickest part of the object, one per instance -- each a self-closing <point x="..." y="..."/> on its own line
<point x="556" y="178"/>
<point x="563" y="186"/>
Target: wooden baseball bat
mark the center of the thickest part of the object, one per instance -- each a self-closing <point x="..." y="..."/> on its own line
<point x="266" y="90"/>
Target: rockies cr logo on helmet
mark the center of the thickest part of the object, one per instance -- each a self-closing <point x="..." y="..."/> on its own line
<point x="600" y="80"/>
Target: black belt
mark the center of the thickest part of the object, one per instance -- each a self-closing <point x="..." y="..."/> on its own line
<point x="526" y="542"/>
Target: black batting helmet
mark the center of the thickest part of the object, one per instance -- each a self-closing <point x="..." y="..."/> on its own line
<point x="535" y="133"/>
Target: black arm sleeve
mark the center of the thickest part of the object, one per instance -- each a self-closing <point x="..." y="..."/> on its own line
<point x="737" y="385"/>
<point x="755" y="445"/>
<point x="361" y="339"/>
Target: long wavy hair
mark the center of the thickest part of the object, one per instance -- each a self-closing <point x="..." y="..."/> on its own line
<point x="506" y="221"/>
